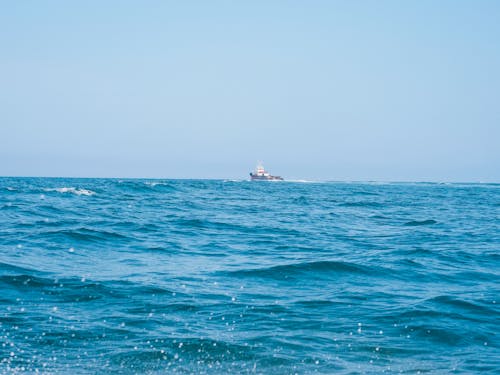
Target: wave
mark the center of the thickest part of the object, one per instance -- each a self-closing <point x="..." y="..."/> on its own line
<point x="365" y="193"/>
<point x="28" y="281"/>
<point x="161" y="184"/>
<point x="379" y="217"/>
<point x="242" y="275"/>
<point x="71" y="190"/>
<point x="361" y="204"/>
<point x="78" y="289"/>
<point x="438" y="335"/>
<point x="186" y="355"/>
<point x="11" y="268"/>
<point x="305" y="268"/>
<point x="211" y="225"/>
<point x="9" y="206"/>
<point x="415" y="223"/>
<point x="462" y="305"/>
<point x="306" y="181"/>
<point x="141" y="186"/>
<point x="86" y="234"/>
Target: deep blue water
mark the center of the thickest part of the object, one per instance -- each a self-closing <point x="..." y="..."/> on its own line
<point x="198" y="276"/>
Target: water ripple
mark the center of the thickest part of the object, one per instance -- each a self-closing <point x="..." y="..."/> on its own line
<point x="209" y="277"/>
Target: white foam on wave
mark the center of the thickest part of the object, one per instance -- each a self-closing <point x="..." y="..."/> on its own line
<point x="155" y="183"/>
<point x="72" y="190"/>
<point x="306" y="181"/>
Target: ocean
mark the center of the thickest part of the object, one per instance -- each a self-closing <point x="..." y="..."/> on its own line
<point x="126" y="276"/>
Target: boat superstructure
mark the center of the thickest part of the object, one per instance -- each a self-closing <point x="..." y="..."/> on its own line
<point x="260" y="174"/>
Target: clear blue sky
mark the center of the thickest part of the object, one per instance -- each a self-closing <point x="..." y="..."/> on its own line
<point x="336" y="90"/>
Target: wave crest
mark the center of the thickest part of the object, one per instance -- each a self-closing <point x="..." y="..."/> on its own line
<point x="317" y="268"/>
<point x="72" y="190"/>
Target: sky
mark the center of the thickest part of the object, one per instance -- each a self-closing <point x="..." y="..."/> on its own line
<point x="318" y="90"/>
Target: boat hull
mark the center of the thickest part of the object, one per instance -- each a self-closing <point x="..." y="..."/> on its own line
<point x="254" y="177"/>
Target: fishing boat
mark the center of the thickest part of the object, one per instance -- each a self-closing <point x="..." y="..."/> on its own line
<point x="260" y="174"/>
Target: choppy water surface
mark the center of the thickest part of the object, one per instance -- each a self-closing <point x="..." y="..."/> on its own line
<point x="196" y="276"/>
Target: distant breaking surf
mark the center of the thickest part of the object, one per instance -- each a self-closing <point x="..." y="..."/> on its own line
<point x="72" y="190"/>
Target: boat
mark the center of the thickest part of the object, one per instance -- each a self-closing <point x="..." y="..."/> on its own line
<point x="260" y="174"/>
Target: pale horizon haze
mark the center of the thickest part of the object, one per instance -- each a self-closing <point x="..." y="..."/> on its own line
<point x="316" y="90"/>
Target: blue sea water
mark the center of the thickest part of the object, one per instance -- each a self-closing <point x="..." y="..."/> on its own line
<point x="209" y="277"/>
